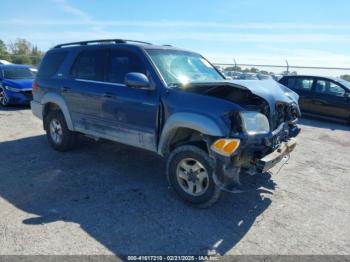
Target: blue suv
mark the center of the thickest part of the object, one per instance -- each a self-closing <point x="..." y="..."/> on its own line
<point x="173" y="102"/>
<point x="15" y="84"/>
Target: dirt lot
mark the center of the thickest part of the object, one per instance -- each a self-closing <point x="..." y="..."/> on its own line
<point x="105" y="198"/>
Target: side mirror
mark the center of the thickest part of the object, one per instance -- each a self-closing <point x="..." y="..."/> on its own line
<point x="347" y="95"/>
<point x="137" y="80"/>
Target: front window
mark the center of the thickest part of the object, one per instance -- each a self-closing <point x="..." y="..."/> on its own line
<point x="344" y="83"/>
<point x="18" y="73"/>
<point x="181" y="68"/>
<point x="329" y="88"/>
<point x="122" y="62"/>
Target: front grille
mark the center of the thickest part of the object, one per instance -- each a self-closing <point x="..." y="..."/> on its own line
<point x="28" y="94"/>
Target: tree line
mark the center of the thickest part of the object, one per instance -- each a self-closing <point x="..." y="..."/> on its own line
<point x="20" y="51"/>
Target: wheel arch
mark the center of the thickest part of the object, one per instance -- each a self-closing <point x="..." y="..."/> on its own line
<point x="53" y="101"/>
<point x="187" y="127"/>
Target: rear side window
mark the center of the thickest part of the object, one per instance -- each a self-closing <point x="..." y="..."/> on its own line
<point x="300" y="83"/>
<point x="291" y="82"/>
<point x="51" y="63"/>
<point x="123" y="62"/>
<point x="90" y="65"/>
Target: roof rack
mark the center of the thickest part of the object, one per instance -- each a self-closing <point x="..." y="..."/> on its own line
<point x="101" y="41"/>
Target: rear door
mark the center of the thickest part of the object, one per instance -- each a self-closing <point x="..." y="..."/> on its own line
<point x="82" y="91"/>
<point x="129" y="114"/>
<point x="303" y="87"/>
<point x="330" y="100"/>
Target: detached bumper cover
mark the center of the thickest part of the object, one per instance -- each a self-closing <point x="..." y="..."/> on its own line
<point x="37" y="109"/>
<point x="270" y="160"/>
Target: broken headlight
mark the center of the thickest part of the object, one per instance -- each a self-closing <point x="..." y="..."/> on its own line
<point x="254" y="123"/>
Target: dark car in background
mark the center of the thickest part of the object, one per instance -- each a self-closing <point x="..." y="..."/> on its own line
<point x="15" y="84"/>
<point x="324" y="97"/>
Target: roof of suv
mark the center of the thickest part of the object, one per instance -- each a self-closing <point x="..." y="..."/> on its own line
<point x="113" y="42"/>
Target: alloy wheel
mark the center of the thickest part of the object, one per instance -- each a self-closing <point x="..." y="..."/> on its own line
<point x="192" y="177"/>
<point x="3" y="98"/>
<point x="56" y="131"/>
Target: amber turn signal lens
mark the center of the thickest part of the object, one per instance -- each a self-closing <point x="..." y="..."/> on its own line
<point x="225" y="147"/>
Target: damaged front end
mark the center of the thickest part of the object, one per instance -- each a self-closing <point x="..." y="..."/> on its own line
<point x="265" y="132"/>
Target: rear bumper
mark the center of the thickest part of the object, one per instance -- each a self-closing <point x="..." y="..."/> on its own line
<point x="37" y="109"/>
<point x="270" y="160"/>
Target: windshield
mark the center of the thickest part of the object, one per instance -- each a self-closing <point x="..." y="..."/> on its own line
<point x="181" y="68"/>
<point x="17" y="73"/>
<point x="344" y="83"/>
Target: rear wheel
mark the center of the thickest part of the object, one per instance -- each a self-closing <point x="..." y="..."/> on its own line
<point x="3" y="98"/>
<point x="58" y="134"/>
<point x="190" y="173"/>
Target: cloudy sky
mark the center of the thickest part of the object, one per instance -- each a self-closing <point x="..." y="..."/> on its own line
<point x="309" y="33"/>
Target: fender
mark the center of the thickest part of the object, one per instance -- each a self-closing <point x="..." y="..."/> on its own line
<point x="200" y="123"/>
<point x="58" y="100"/>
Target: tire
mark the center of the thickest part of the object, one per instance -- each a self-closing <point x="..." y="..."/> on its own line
<point x="55" y="123"/>
<point x="190" y="174"/>
<point x="3" y="98"/>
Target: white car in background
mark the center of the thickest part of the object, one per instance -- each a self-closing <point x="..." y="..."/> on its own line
<point x="4" y="62"/>
<point x="232" y="74"/>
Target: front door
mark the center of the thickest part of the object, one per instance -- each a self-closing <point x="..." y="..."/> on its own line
<point x="330" y="100"/>
<point x="130" y="115"/>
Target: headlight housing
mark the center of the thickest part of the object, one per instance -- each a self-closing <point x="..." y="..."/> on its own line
<point x="254" y="123"/>
<point x="12" y="89"/>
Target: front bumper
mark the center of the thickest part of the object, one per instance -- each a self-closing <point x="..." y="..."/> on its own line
<point x="256" y="155"/>
<point x="19" y="98"/>
<point x="270" y="160"/>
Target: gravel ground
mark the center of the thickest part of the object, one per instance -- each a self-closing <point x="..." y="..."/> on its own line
<point x="107" y="198"/>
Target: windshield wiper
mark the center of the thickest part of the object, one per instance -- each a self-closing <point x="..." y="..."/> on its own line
<point x="176" y="85"/>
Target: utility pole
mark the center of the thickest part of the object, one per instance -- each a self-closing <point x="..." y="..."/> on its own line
<point x="287" y="67"/>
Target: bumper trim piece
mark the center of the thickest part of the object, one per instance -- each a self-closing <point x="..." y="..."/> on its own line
<point x="37" y="109"/>
<point x="270" y="160"/>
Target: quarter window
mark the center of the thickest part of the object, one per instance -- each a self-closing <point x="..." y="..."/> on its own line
<point x="90" y="65"/>
<point x="51" y="63"/>
<point x="123" y="62"/>
<point x="329" y="88"/>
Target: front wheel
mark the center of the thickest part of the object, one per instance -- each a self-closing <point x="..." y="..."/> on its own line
<point x="3" y="98"/>
<point x="190" y="173"/>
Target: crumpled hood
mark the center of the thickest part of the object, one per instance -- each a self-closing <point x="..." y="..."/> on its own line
<point x="269" y="90"/>
<point x="19" y="83"/>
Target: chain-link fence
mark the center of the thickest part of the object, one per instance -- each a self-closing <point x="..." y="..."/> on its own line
<point x="235" y="70"/>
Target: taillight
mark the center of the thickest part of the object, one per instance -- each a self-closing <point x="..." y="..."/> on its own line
<point x="34" y="86"/>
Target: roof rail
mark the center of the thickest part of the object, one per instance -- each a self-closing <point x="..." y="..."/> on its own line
<point x="101" y="41"/>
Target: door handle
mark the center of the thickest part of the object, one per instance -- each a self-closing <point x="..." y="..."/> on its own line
<point x="319" y="102"/>
<point x="65" y="89"/>
<point x="107" y="95"/>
